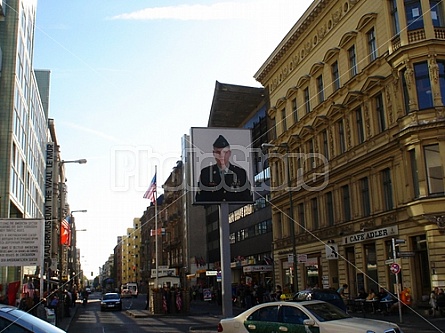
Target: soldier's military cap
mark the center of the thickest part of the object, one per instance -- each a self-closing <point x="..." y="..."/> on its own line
<point x="220" y="142"/>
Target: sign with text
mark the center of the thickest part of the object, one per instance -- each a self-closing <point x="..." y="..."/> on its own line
<point x="163" y="272"/>
<point x="21" y="242"/>
<point x="371" y="234"/>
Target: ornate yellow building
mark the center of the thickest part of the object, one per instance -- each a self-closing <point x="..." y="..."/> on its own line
<point x="131" y="261"/>
<point x="357" y="91"/>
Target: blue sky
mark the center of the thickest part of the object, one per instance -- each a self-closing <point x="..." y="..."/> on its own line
<point x="129" y="79"/>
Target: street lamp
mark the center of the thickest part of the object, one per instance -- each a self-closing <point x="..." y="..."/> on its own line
<point x="61" y="217"/>
<point x="72" y="259"/>
<point x="266" y="147"/>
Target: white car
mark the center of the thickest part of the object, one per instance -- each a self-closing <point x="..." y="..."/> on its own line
<point x="15" y="320"/>
<point x="304" y="317"/>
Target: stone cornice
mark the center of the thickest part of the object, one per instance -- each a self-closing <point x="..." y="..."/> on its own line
<point x="302" y="30"/>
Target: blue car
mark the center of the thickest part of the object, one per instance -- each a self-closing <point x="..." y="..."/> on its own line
<point x="327" y="295"/>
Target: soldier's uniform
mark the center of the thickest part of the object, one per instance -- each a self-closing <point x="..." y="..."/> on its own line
<point x="217" y="185"/>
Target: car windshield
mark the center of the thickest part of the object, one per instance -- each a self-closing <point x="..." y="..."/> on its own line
<point x="326" y="311"/>
<point x="111" y="296"/>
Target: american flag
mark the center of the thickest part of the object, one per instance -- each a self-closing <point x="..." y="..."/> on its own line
<point x="65" y="233"/>
<point x="151" y="191"/>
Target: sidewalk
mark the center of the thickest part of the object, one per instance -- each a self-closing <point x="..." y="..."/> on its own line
<point x="65" y="322"/>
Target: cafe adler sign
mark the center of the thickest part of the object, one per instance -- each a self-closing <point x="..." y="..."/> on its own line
<point x="371" y="234"/>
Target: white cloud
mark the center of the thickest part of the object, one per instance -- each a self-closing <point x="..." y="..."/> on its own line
<point x="219" y="11"/>
<point x="93" y="132"/>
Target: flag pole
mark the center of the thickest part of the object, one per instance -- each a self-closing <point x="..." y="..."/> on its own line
<point x="156" y="227"/>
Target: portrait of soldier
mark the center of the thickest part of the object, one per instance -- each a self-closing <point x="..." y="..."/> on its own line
<point x="223" y="181"/>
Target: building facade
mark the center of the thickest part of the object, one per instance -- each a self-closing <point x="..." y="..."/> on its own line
<point x="23" y="124"/>
<point x="250" y="225"/>
<point x="357" y="95"/>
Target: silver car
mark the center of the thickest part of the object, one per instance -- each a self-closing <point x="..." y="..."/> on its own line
<point x="15" y="320"/>
<point x="302" y="317"/>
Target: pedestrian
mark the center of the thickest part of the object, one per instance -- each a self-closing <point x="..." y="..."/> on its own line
<point x="147" y="301"/>
<point x="67" y="303"/>
<point x="342" y="290"/>
<point x="432" y="301"/>
<point x="40" y="310"/>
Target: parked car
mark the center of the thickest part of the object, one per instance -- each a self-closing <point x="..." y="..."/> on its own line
<point x="15" y="320"/>
<point x="327" y="295"/>
<point x="111" y="301"/>
<point x="305" y="316"/>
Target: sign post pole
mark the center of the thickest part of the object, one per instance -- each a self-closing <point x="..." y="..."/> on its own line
<point x="224" y="232"/>
<point x="398" y="241"/>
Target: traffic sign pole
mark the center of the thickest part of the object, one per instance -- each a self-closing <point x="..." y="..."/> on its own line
<point x="397" y="278"/>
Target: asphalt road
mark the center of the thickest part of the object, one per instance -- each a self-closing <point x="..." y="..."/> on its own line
<point x="203" y="318"/>
<point x="89" y="319"/>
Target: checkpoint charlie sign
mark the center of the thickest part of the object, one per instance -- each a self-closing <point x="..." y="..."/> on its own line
<point x="371" y="234"/>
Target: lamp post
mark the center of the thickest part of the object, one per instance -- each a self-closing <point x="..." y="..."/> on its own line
<point x="61" y="217"/>
<point x="73" y="246"/>
<point x="266" y="147"/>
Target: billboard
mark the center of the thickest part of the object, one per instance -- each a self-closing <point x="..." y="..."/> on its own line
<point x="221" y="163"/>
<point x="21" y="242"/>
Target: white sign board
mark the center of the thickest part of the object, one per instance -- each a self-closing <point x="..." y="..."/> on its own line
<point x="331" y="251"/>
<point x="21" y="242"/>
<point x="163" y="272"/>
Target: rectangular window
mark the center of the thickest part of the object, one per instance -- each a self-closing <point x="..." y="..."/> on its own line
<point x="372" y="277"/>
<point x="414" y="173"/>
<point x="372" y="45"/>
<point x="395" y="17"/>
<point x="365" y="196"/>
<point x="352" y="61"/>
<point x="360" y="126"/>
<point x="335" y="76"/>
<point x="301" y="217"/>
<point x="330" y="208"/>
<point x="341" y="136"/>
<point x="436" y="13"/>
<point x="307" y="101"/>
<point x="295" y="110"/>
<point x="387" y="189"/>
<point x="381" y="121"/>
<point x="315" y="220"/>
<point x="423" y="86"/>
<point x="320" y="89"/>
<point x="346" y="203"/>
<point x="414" y="17"/>
<point x="434" y="169"/>
<point x="283" y="120"/>
<point x="325" y="144"/>
<point x="311" y="154"/>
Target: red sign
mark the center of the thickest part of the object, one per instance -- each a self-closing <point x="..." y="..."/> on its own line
<point x="394" y="268"/>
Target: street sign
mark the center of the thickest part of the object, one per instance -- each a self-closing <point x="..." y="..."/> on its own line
<point x="394" y="268"/>
<point x="389" y="261"/>
<point x="407" y="254"/>
<point x="331" y="251"/>
<point x="302" y="258"/>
